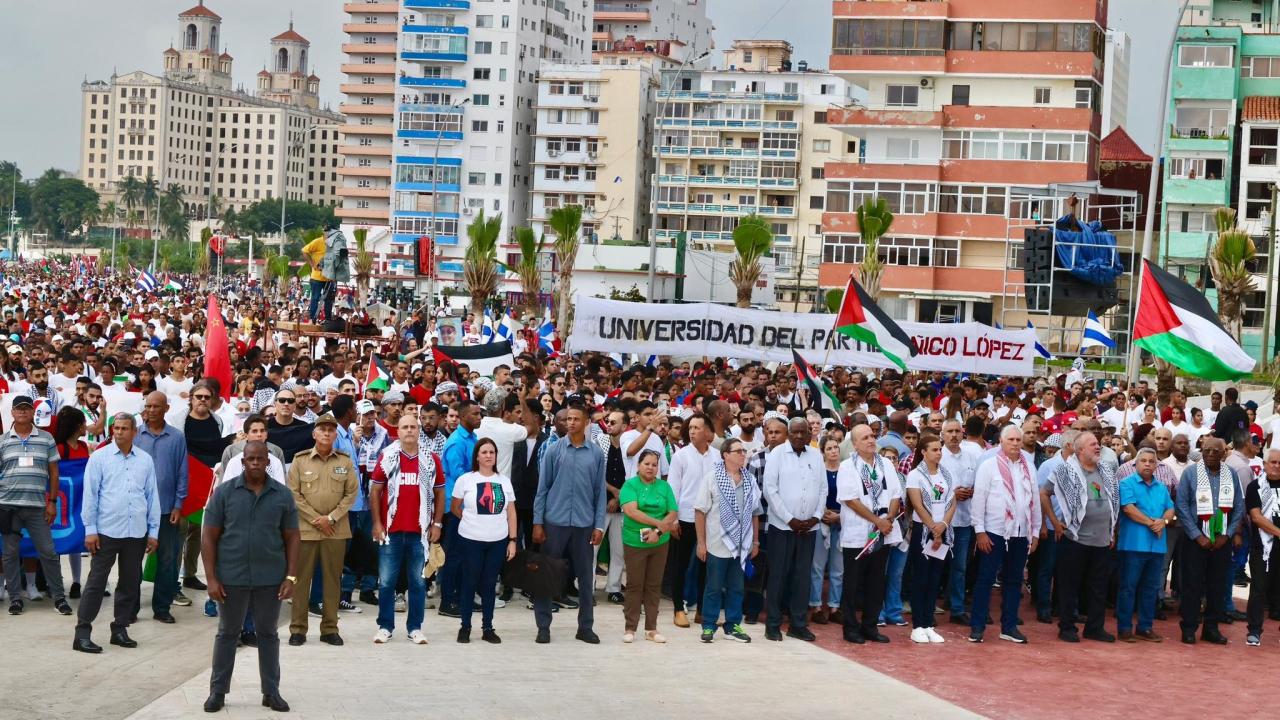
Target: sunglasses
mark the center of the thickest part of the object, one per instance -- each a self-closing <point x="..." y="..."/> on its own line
<point x="286" y="401"/>
<point x="201" y="397"/>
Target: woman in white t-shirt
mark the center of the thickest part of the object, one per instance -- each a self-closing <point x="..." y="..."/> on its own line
<point x="931" y="492"/>
<point x="484" y="501"/>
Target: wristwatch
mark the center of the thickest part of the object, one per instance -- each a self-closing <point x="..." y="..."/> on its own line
<point x="436" y="524"/>
<point x="511" y="539"/>
<point x="293" y="579"/>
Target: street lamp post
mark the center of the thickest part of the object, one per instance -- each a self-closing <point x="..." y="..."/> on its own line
<point x="653" y="242"/>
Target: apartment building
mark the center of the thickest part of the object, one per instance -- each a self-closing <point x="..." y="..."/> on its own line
<point x="372" y="33"/>
<point x="682" y="21"/>
<point x="732" y="143"/>
<point x="965" y="101"/>
<point x="1115" y="81"/>
<point x="461" y="116"/>
<point x="191" y="126"/>
<point x="1222" y="147"/>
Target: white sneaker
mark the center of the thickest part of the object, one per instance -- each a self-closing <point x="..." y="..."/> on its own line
<point x="34" y="594"/>
<point x="499" y="603"/>
<point x="628" y="637"/>
<point x="383" y="636"/>
<point x="401" y="605"/>
<point x="934" y="637"/>
<point x="417" y="638"/>
<point x="920" y="635"/>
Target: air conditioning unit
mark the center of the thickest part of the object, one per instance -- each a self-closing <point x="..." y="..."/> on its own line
<point x="591" y="155"/>
<point x="591" y="98"/>
<point x="926" y="82"/>
<point x="553" y="153"/>
<point x="1131" y="216"/>
<point x="466" y="210"/>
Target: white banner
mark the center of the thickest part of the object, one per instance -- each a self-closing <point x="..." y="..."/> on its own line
<point x="722" y="331"/>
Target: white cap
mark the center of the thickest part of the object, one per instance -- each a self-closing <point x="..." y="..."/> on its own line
<point x="151" y="355"/>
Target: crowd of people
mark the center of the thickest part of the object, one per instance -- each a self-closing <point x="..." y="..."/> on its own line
<point x="711" y="483"/>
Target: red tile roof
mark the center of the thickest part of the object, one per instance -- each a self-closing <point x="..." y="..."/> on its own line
<point x="290" y="36"/>
<point x="1119" y="147"/>
<point x="200" y="11"/>
<point x="1261" y="109"/>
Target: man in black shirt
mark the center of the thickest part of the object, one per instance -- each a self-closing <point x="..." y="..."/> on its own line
<point x="1262" y="503"/>
<point x="203" y="429"/>
<point x="1232" y="417"/>
<point x="290" y="434"/>
<point x="614" y="475"/>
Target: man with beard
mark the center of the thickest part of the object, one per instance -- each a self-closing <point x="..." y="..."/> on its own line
<point x="1210" y="508"/>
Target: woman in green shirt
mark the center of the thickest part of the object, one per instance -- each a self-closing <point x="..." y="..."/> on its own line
<point x="649" y="510"/>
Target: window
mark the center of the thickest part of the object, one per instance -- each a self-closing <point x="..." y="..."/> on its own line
<point x="1202" y="118"/>
<point x="1257" y="199"/>
<point x="480" y="74"/>
<point x="901" y="198"/>
<point x="820" y="117"/>
<point x="483" y="47"/>
<point x="484" y="21"/>
<point x="902" y="148"/>
<point x="902" y="95"/>
<point x="1260" y="67"/>
<point x="480" y="126"/>
<point x="1042" y="96"/>
<point x="556" y="87"/>
<point x="972" y="199"/>
<point x="817" y="173"/>
<point x="1194" y="221"/>
<point x="917" y="252"/>
<point x="822" y="146"/>
<point x="475" y="178"/>
<point x="723" y="86"/>
<point x="816" y="202"/>
<point x="1026" y="37"/>
<point x="959" y="94"/>
<point x="1262" y="146"/>
<point x="785" y="141"/>
<point x="1193" y="168"/>
<point x="1014" y="145"/>
<point x="1205" y="56"/>
<point x="480" y="100"/>
<point x="887" y="37"/>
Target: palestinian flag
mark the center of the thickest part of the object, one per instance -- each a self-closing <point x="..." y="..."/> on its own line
<point x="483" y="359"/>
<point x="861" y="319"/>
<point x="199" y="485"/>
<point x="171" y="284"/>
<point x="1175" y="323"/>
<point x="377" y="377"/>
<point x="821" y="397"/>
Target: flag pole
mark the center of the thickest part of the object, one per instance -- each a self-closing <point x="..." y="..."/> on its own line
<point x="835" y="319"/>
<point x="1135" y="353"/>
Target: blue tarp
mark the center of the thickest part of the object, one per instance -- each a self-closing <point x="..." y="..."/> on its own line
<point x="1088" y="253"/>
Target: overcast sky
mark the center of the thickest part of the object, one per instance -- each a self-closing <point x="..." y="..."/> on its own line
<point x="39" y="126"/>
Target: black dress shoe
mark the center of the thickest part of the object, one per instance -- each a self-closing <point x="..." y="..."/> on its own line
<point x="194" y="583"/>
<point x="544" y="636"/>
<point x="960" y="618"/>
<point x="773" y="634"/>
<point x="1189" y="637"/>
<point x="331" y="639"/>
<point x="1068" y="636"/>
<point x="490" y="636"/>
<point x="802" y="634"/>
<point x="275" y="702"/>
<point x="1215" y="637"/>
<point x="1044" y="618"/>
<point x="588" y="636"/>
<point x="854" y="637"/>
<point x="1237" y="615"/>
<point x="1100" y="636"/>
<point x="121" y="638"/>
<point x="368" y="597"/>
<point x="878" y="637"/>
<point x="85" y="645"/>
<point x="75" y="591"/>
<point x="464" y="635"/>
<point x="296" y="639"/>
<point x="165" y="617"/>
<point x="214" y="702"/>
<point x="1227" y="619"/>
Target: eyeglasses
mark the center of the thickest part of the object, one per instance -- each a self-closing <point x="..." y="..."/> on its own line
<point x="286" y="401"/>
<point x="201" y="397"/>
<point x="736" y="451"/>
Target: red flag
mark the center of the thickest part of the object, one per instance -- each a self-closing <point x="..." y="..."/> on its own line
<point x="217" y="358"/>
<point x="199" y="484"/>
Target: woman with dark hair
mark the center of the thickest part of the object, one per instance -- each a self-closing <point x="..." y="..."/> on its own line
<point x="146" y="382"/>
<point x="68" y="429"/>
<point x="649" y="517"/>
<point x="828" y="558"/>
<point x="484" y="502"/>
<point x="931" y="492"/>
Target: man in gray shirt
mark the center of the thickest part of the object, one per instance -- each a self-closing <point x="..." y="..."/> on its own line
<point x="250" y="545"/>
<point x="1084" y="524"/>
<point x="569" y="516"/>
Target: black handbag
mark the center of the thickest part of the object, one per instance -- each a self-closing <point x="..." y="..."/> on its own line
<point x="542" y="576"/>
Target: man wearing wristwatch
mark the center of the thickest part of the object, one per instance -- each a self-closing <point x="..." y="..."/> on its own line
<point x="324" y="484"/>
<point x="250" y="545"/>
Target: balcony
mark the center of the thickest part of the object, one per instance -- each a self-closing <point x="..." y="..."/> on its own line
<point x="438" y="4"/>
<point x="789" y="98"/>
<point x="432" y="82"/>
<point x="385" y="88"/>
<point x="362" y="69"/>
<point x="369" y="49"/>
<point x="728" y="124"/>
<point x="373" y="172"/>
<point x="379" y="214"/>
<point x="686" y="151"/>
<point x="376" y="8"/>
<point x="358" y="109"/>
<point x="893" y="117"/>
<point x="776" y="211"/>
<point x="365" y="28"/>
<point x="727" y="181"/>
<point x="353" y="130"/>
<point x="722" y="209"/>
<point x="435" y="30"/>
<point x="694" y="235"/>
<point x="1188" y="191"/>
<point x="383" y="150"/>
<point x="620" y="12"/>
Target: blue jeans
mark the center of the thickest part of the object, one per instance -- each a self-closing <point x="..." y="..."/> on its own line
<point x="168" y="562"/>
<point x="1239" y="559"/>
<point x="892" y="611"/>
<point x="449" y="575"/>
<point x="481" y="563"/>
<point x="724" y="590"/>
<point x="1140" y="577"/>
<point x="402" y="549"/>
<point x="1006" y="559"/>
<point x="321" y="288"/>
<point x="1042" y="584"/>
<point x="959" y="568"/>
<point x="827" y="557"/>
<point x="362" y="524"/>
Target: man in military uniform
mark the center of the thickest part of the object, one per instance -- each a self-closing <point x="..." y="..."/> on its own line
<point x="324" y="484"/>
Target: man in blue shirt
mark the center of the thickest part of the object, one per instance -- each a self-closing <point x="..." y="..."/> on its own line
<point x="121" y="515"/>
<point x="168" y="450"/>
<point x="457" y="460"/>
<point x="569" y="516"/>
<point x="1147" y="511"/>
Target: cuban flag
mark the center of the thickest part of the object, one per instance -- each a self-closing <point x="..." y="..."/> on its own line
<point x="147" y="282"/>
<point x="1095" y="335"/>
<point x="547" y="334"/>
<point x="1041" y="350"/>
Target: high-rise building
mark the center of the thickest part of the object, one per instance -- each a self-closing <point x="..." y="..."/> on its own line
<point x="1115" y="81"/>
<point x="1222" y="145"/>
<point x="189" y="127"/>
<point x="681" y="21"/>
<point x="372" y="31"/>
<point x="967" y="101"/>
<point x="732" y="143"/>
<point x="462" y="116"/>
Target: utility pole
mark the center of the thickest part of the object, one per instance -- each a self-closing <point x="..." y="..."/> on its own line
<point x="1267" y="330"/>
<point x="800" y="274"/>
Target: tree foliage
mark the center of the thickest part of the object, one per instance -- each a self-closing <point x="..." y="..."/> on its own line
<point x="481" y="267"/>
<point x="752" y="241"/>
<point x="263" y="217"/>
<point x="566" y="223"/>
<point x="60" y="205"/>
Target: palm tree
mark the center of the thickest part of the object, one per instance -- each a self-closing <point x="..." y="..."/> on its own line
<point x="173" y="212"/>
<point x="753" y="240"/>
<point x="566" y="223"/>
<point x="481" y="267"/>
<point x="278" y="268"/>
<point x="874" y="220"/>
<point x="364" y="265"/>
<point x="1228" y="262"/>
<point x="530" y="275"/>
<point x="130" y="194"/>
<point x="110" y="212"/>
<point x="230" y="222"/>
<point x="166" y="257"/>
<point x="216" y="204"/>
<point x="202" y="260"/>
<point x="149" y="193"/>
